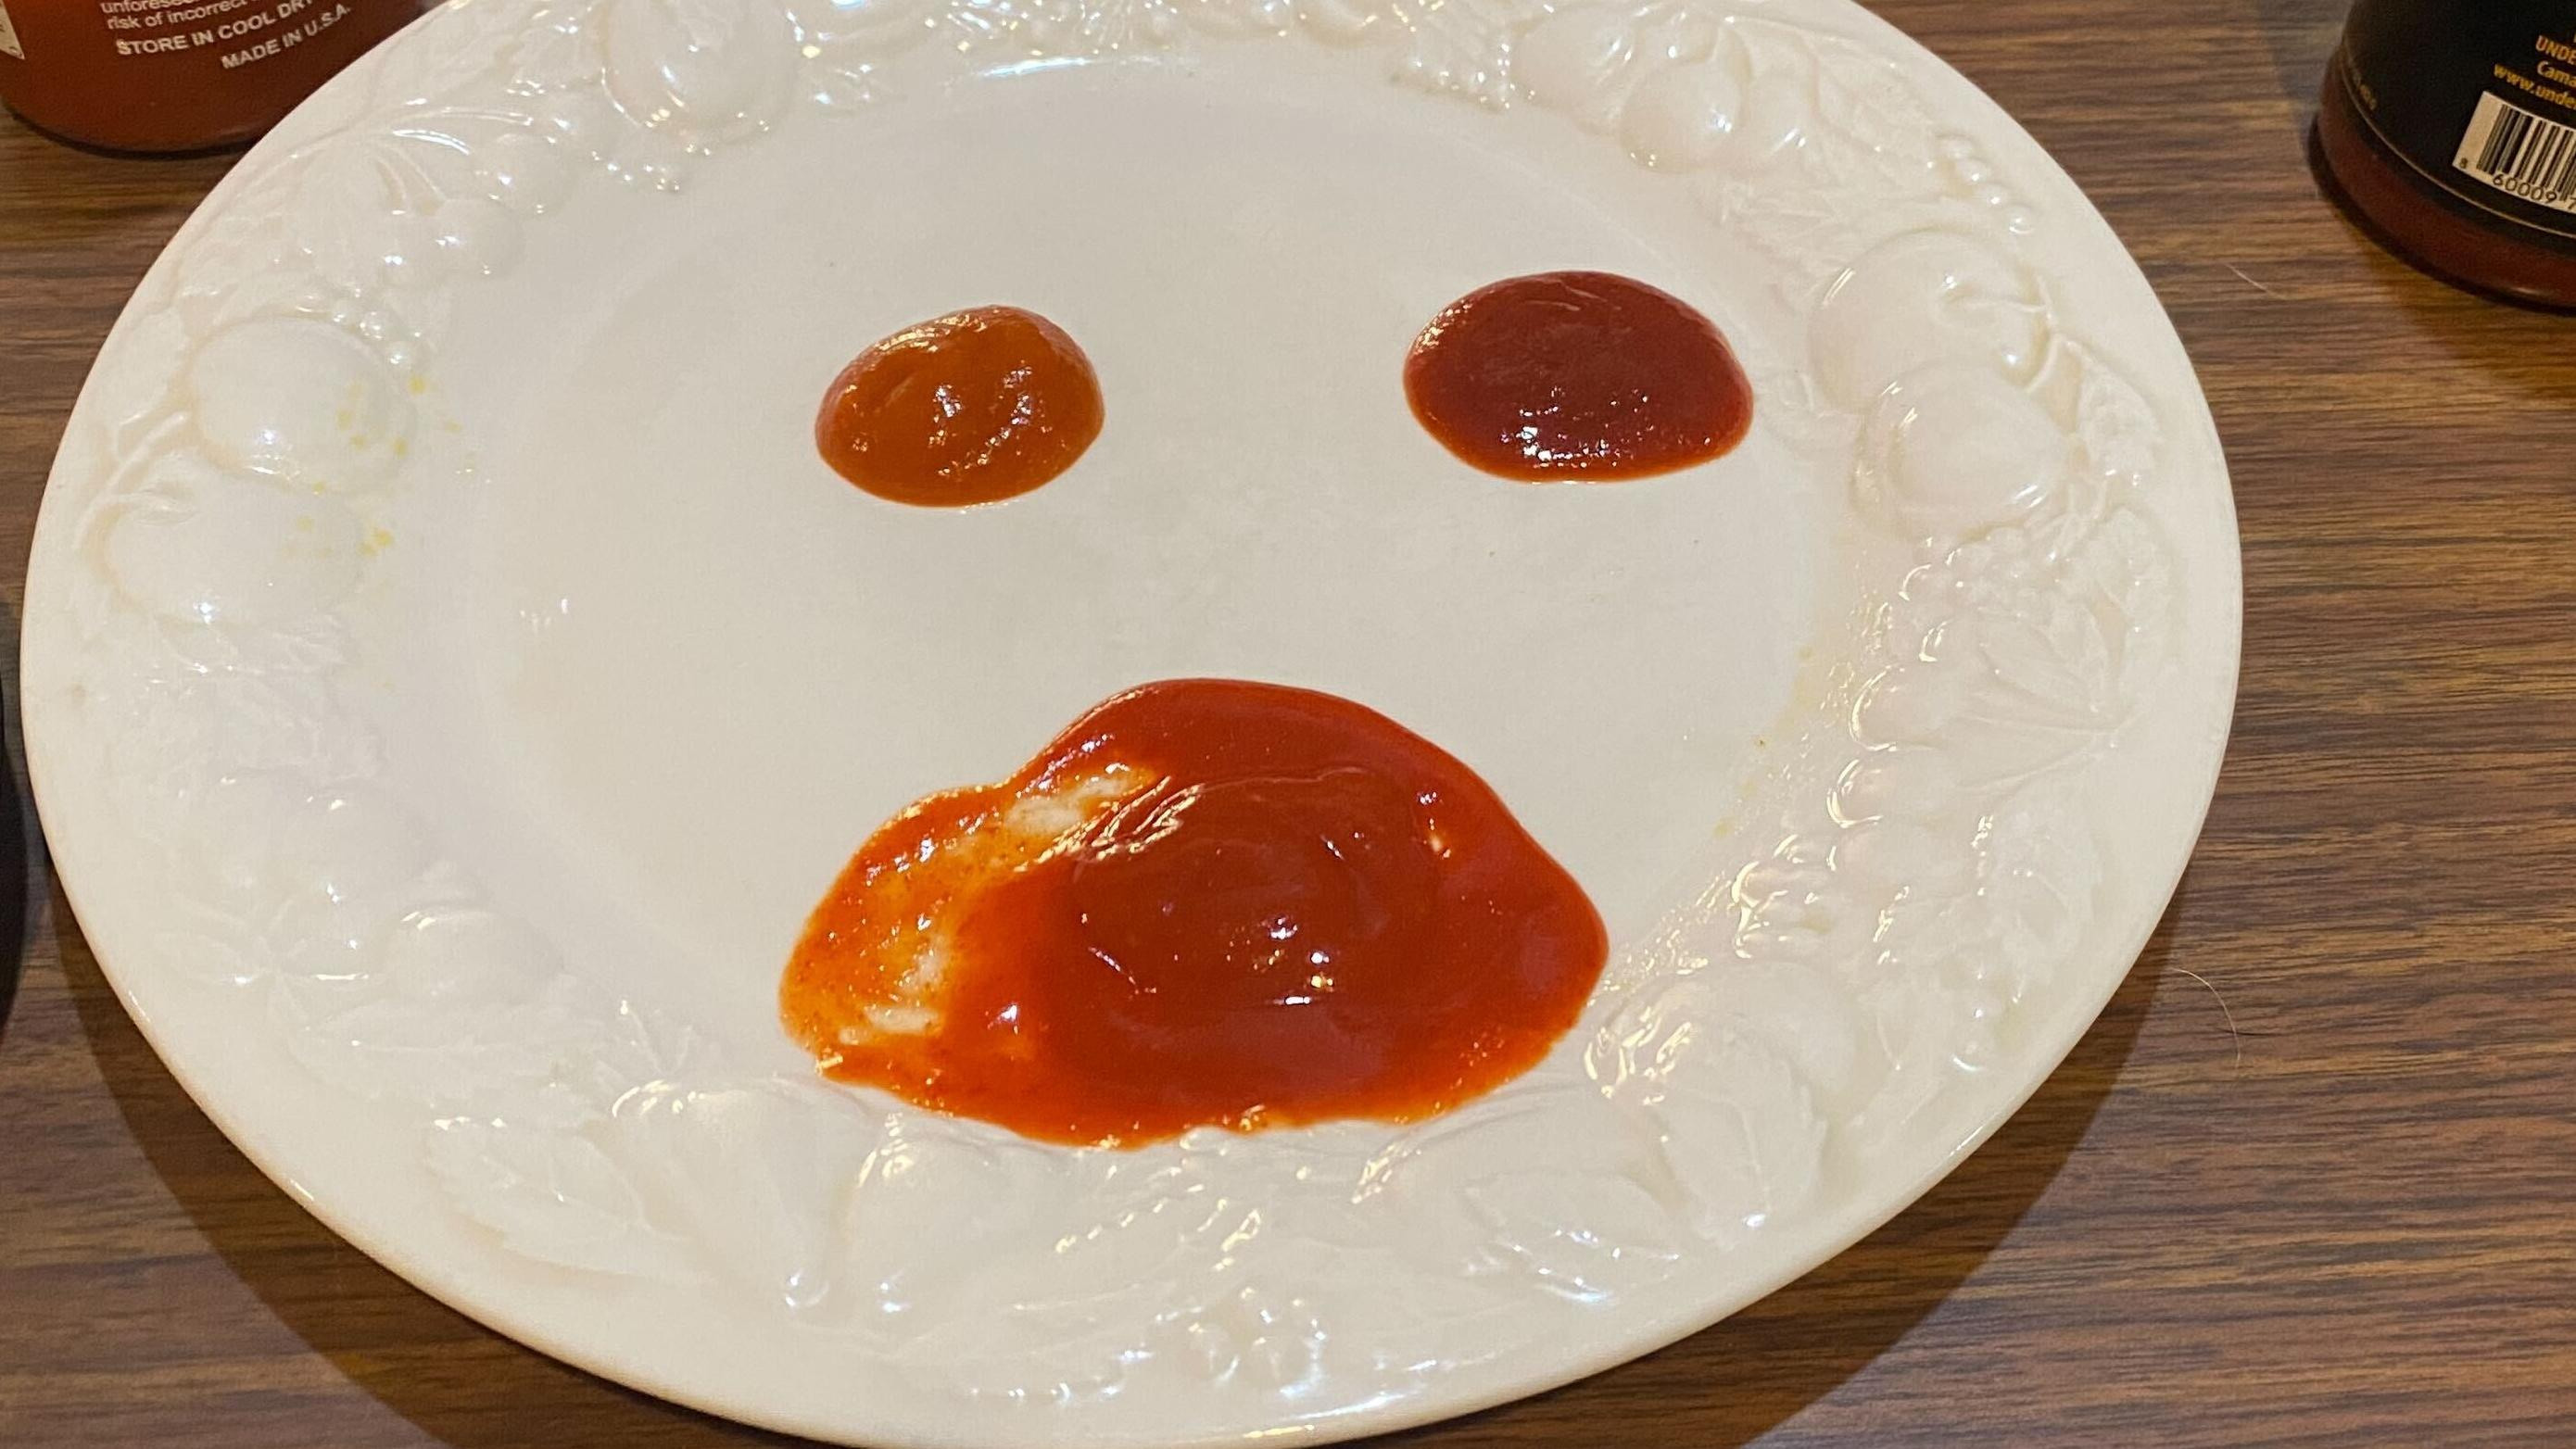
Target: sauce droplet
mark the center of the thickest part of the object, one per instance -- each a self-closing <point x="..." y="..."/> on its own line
<point x="973" y="407"/>
<point x="1207" y="902"/>
<point x="1577" y="376"/>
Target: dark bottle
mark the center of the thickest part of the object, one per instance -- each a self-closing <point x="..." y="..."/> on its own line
<point x="2452" y="127"/>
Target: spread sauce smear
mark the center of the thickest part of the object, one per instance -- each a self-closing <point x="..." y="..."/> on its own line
<point x="973" y="407"/>
<point x="1207" y="902"/>
<point x="1579" y="377"/>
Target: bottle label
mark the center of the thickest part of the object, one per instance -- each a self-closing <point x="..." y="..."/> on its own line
<point x="2520" y="154"/>
<point x="235" y="32"/>
<point x="9" y="45"/>
<point x="2479" y="100"/>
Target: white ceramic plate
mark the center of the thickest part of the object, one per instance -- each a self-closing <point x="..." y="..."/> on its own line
<point x="451" y="676"/>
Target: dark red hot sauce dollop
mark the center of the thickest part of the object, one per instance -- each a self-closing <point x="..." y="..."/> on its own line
<point x="1207" y="902"/>
<point x="1577" y="376"/>
<point x="972" y="407"/>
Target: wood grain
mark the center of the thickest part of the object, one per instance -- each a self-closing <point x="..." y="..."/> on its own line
<point x="2346" y="1220"/>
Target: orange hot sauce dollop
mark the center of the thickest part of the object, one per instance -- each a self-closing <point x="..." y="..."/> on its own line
<point x="972" y="407"/>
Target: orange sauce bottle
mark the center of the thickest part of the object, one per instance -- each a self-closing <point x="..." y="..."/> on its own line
<point x="2451" y="128"/>
<point x="177" y="75"/>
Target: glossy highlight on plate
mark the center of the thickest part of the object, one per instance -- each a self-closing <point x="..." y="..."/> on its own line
<point x="1206" y="903"/>
<point x="1577" y="376"/>
<point x="971" y="407"/>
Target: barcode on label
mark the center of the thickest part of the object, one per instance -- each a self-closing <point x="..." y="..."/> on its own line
<point x="2520" y="154"/>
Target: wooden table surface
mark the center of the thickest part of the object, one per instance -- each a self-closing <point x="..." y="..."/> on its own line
<point x="2312" y="1179"/>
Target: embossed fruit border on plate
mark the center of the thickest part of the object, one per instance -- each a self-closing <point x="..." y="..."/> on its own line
<point x="212" y="514"/>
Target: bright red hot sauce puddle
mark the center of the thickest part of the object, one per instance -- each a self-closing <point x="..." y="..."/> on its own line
<point x="972" y="407"/>
<point x="1208" y="902"/>
<point x="1577" y="376"/>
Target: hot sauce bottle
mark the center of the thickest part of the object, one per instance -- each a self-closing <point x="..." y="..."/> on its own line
<point x="2452" y="128"/>
<point x="177" y="75"/>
